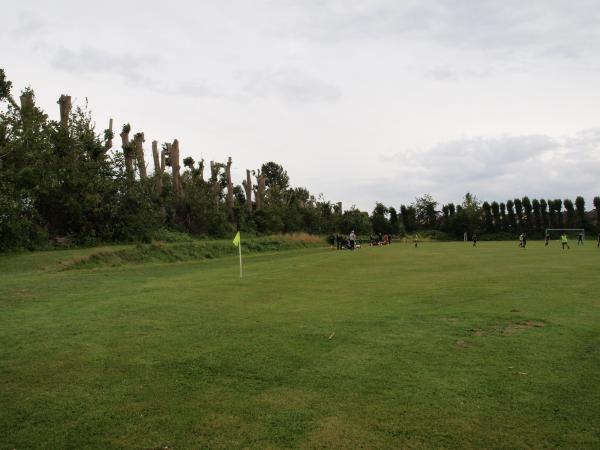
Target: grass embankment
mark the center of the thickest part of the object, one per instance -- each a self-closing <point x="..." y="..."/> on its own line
<point x="191" y="250"/>
<point x="443" y="346"/>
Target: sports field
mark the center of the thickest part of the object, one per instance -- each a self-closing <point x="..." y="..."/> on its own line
<point x="442" y="346"/>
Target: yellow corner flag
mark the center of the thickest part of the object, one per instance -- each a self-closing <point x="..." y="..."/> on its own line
<point x="237" y="241"/>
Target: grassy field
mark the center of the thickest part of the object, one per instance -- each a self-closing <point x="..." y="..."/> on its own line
<point x="444" y="346"/>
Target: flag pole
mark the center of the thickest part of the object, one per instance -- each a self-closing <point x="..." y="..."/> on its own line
<point x="240" y="250"/>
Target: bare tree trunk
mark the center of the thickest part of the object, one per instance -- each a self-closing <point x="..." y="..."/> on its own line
<point x="214" y="180"/>
<point x="65" y="109"/>
<point x="26" y="101"/>
<point x="158" y="167"/>
<point x="139" y="140"/>
<point x="127" y="151"/>
<point x="163" y="158"/>
<point x="229" y="189"/>
<point x="175" y="166"/>
<point x="201" y="169"/>
<point x="109" y="136"/>
<point x="248" y="187"/>
<point x="260" y="190"/>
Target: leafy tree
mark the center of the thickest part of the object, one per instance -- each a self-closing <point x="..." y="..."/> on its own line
<point x="512" y="219"/>
<point x="535" y="204"/>
<point x="379" y="221"/>
<point x="408" y="215"/>
<point x="503" y="216"/>
<point x="544" y="213"/>
<point x="570" y="209"/>
<point x="527" y="213"/>
<point x="488" y="220"/>
<point x="496" y="216"/>
<point x="426" y="214"/>
<point x="597" y="206"/>
<point x="580" y="208"/>
<point x="275" y="175"/>
<point x="519" y="213"/>
<point x="394" y="222"/>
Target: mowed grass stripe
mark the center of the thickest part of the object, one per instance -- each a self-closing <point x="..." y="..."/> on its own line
<point x="439" y="346"/>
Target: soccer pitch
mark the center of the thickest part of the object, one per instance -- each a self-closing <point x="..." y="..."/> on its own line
<point x="444" y="345"/>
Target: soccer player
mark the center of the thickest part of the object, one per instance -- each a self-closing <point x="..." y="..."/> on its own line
<point x="564" y="242"/>
<point x="416" y="240"/>
<point x="547" y="240"/>
<point x="521" y="240"/>
<point x="580" y="239"/>
<point x="474" y="240"/>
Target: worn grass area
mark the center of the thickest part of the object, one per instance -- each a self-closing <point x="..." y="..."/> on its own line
<point x="394" y="347"/>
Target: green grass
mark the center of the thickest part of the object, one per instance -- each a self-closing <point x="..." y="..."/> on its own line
<point x="443" y="346"/>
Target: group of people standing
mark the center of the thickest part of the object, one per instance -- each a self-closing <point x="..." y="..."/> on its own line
<point x="380" y="239"/>
<point x="341" y="242"/>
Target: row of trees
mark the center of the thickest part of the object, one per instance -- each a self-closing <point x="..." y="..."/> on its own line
<point x="513" y="216"/>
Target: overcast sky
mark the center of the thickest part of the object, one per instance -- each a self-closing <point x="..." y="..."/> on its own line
<point x="363" y="101"/>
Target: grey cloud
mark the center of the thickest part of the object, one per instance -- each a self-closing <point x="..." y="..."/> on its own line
<point x="503" y="166"/>
<point x="288" y="84"/>
<point x="91" y="61"/>
<point x="443" y="74"/>
<point x="550" y="29"/>
<point x="28" y="25"/>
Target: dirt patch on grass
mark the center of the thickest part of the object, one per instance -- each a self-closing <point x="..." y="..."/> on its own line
<point x="461" y="344"/>
<point x="21" y="294"/>
<point x="477" y="332"/>
<point x="449" y="319"/>
<point x="514" y="328"/>
<point x="334" y="432"/>
<point x="284" y="398"/>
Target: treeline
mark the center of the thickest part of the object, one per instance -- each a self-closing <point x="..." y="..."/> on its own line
<point x="510" y="217"/>
<point x="63" y="182"/>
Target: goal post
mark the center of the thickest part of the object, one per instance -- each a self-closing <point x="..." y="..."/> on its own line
<point x="572" y="233"/>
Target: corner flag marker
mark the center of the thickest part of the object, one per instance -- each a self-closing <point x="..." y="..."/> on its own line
<point x="237" y="241"/>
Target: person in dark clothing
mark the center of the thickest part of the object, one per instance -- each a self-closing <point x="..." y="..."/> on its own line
<point x="339" y="241"/>
<point x="547" y="240"/>
<point x="474" y="240"/>
<point x="580" y="239"/>
<point x="524" y="240"/>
